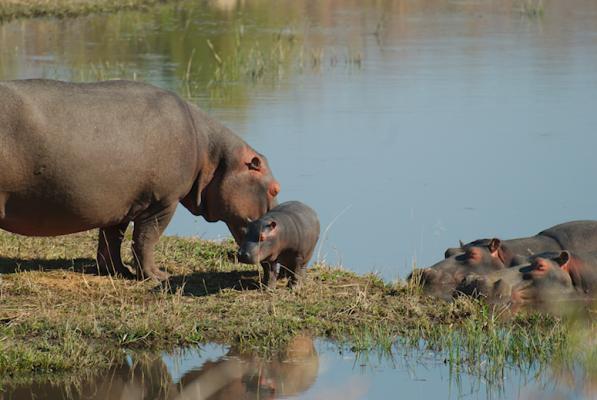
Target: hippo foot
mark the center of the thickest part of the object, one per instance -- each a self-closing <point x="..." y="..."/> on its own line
<point x="295" y="281"/>
<point x="118" y="269"/>
<point x="154" y="274"/>
<point x="295" y="284"/>
<point x="268" y="283"/>
<point x="125" y="272"/>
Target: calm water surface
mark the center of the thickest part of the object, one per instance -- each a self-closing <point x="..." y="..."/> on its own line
<point x="406" y="124"/>
<point x="306" y="370"/>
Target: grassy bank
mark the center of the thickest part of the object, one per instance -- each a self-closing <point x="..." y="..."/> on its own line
<point x="10" y="9"/>
<point x="57" y="314"/>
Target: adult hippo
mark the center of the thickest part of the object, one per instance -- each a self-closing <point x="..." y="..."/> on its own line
<point x="77" y="156"/>
<point x="549" y="276"/>
<point x="483" y="256"/>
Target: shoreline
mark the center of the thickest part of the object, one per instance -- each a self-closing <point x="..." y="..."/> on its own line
<point x="57" y="315"/>
<point x="14" y="9"/>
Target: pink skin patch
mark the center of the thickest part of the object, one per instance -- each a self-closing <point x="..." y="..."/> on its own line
<point x="475" y="255"/>
<point x="541" y="267"/>
<point x="274" y="189"/>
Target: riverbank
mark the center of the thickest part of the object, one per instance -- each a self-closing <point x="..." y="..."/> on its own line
<point x="11" y="9"/>
<point x="57" y="315"/>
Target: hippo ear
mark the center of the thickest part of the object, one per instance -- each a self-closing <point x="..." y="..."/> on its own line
<point x="563" y="258"/>
<point x="255" y="164"/>
<point x="274" y="189"/>
<point x="494" y="245"/>
<point x="452" y="251"/>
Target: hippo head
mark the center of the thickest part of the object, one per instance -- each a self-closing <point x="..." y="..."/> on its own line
<point x="258" y="243"/>
<point x="545" y="277"/>
<point x="478" y="257"/>
<point x="242" y="190"/>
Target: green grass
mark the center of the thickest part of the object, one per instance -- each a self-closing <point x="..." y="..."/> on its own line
<point x="57" y="315"/>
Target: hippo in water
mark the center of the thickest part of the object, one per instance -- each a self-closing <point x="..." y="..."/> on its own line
<point x="549" y="276"/>
<point x="286" y="235"/>
<point x="78" y="156"/>
<point x="486" y="255"/>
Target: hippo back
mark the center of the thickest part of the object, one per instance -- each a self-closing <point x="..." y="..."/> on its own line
<point x="579" y="236"/>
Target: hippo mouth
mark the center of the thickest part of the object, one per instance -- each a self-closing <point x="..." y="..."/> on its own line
<point x="523" y="293"/>
<point x="433" y="278"/>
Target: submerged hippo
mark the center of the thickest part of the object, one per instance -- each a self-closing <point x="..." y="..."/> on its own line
<point x="549" y="276"/>
<point x="286" y="235"/>
<point x="486" y="255"/>
<point x="78" y="156"/>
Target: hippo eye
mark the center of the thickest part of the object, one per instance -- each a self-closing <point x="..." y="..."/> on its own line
<point x="255" y="164"/>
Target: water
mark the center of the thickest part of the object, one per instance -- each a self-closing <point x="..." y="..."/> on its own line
<point x="407" y="125"/>
<point x="306" y="370"/>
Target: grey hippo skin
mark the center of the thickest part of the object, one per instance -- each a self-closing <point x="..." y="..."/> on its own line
<point x="77" y="156"/>
<point x="549" y="276"/>
<point x="286" y="235"/>
<point x="486" y="255"/>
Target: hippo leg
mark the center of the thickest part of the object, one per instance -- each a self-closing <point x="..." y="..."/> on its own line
<point x="108" y="250"/>
<point x="3" y="198"/>
<point x="149" y="226"/>
<point x="297" y="274"/>
<point x="270" y="274"/>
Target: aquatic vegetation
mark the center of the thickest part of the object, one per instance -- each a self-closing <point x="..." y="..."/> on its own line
<point x="10" y="9"/>
<point x="532" y="8"/>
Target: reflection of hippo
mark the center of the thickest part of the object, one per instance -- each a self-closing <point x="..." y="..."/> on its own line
<point x="287" y="235"/>
<point x="485" y="255"/>
<point x="75" y="157"/>
<point x="232" y="377"/>
<point x="241" y="377"/>
<point x="550" y="276"/>
<point x="147" y="378"/>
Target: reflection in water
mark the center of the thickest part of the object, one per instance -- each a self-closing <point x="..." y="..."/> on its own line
<point x="309" y="370"/>
<point x="244" y="377"/>
<point x="146" y="378"/>
<point x="231" y="376"/>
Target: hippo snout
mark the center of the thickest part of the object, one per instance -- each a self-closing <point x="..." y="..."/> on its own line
<point x="249" y="253"/>
<point x="423" y="276"/>
<point x="473" y="285"/>
<point x="245" y="257"/>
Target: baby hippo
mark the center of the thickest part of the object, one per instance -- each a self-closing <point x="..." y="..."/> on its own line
<point x="285" y="236"/>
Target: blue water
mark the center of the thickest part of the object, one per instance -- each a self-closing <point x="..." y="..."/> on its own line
<point x="322" y="372"/>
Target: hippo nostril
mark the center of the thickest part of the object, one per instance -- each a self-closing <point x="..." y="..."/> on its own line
<point x="243" y="256"/>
